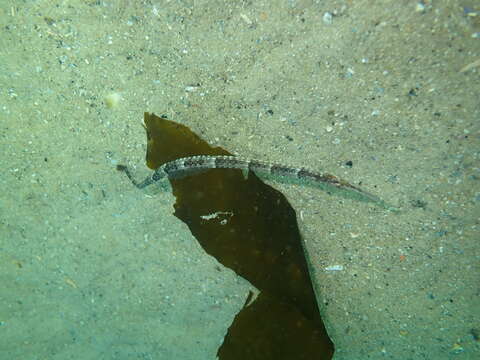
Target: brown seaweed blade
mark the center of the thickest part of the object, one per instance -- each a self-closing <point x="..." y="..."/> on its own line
<point x="258" y="239"/>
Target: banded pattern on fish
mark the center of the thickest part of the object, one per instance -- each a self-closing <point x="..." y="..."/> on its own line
<point x="188" y="165"/>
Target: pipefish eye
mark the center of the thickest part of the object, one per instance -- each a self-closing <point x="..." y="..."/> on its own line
<point x="157" y="175"/>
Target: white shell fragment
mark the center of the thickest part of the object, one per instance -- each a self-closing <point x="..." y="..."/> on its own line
<point x="334" y="268"/>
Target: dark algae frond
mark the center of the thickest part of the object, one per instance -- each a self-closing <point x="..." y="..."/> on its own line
<point x="251" y="228"/>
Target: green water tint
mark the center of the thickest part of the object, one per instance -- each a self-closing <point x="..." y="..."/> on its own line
<point x="253" y="231"/>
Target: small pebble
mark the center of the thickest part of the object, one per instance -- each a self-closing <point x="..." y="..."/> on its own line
<point x="327" y="18"/>
<point x="420" y="7"/>
<point x="469" y="11"/>
<point x="112" y="100"/>
<point x="457" y="348"/>
<point x="191" y="88"/>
